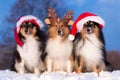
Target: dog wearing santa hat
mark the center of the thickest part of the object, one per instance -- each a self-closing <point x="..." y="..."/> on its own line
<point x="89" y="44"/>
<point x="59" y="47"/>
<point x="30" y="41"/>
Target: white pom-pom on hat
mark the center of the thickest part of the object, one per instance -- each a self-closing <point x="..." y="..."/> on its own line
<point x="71" y="37"/>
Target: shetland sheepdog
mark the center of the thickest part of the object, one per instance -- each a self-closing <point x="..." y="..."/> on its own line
<point x="89" y="49"/>
<point x="58" y="47"/>
<point x="28" y="58"/>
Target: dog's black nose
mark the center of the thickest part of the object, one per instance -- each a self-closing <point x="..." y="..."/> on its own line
<point x="26" y="31"/>
<point x="59" y="31"/>
<point x="88" y="30"/>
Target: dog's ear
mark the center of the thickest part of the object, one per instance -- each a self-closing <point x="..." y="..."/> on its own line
<point x="70" y="22"/>
<point x="68" y="17"/>
<point x="47" y="21"/>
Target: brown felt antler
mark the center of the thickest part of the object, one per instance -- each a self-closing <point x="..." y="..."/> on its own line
<point x="51" y="16"/>
<point x="68" y="17"/>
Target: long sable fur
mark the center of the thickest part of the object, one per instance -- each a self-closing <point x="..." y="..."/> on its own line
<point x="78" y="38"/>
<point x="16" y="56"/>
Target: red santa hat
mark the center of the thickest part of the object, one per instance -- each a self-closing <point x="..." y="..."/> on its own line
<point x="83" y="18"/>
<point x="21" y="20"/>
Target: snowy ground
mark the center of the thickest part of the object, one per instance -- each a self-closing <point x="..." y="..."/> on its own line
<point x="9" y="75"/>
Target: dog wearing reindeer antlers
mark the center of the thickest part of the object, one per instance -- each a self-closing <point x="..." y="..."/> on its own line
<point x="59" y="48"/>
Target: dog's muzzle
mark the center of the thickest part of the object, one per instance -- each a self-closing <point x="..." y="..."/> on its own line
<point x="89" y="31"/>
<point x="59" y="32"/>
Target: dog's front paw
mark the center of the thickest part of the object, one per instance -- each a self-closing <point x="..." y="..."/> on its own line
<point x="36" y="71"/>
<point x="78" y="70"/>
<point x="21" y="72"/>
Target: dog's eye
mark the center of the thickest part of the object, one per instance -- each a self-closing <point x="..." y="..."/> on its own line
<point x="84" y="26"/>
<point x="22" y="26"/>
<point x="93" y="26"/>
<point x="31" y="26"/>
<point x="55" y="25"/>
<point x="62" y="25"/>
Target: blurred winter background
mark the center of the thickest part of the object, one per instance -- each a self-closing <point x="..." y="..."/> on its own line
<point x="11" y="10"/>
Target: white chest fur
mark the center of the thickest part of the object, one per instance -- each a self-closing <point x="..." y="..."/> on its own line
<point x="90" y="50"/>
<point x="30" y="51"/>
<point x="59" y="49"/>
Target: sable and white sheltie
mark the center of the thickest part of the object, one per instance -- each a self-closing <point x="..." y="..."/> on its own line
<point x="89" y="49"/>
<point x="28" y="56"/>
<point x="58" y="47"/>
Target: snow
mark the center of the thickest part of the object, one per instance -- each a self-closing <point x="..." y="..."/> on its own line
<point x="104" y="75"/>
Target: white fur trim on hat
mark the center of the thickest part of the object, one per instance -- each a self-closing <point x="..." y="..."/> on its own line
<point x="28" y="17"/>
<point x="89" y="18"/>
